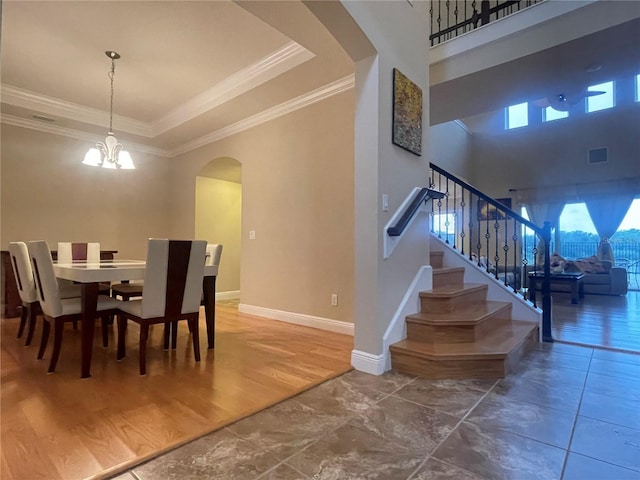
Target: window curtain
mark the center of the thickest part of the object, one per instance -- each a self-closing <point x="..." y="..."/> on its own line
<point x="544" y="212"/>
<point x="607" y="214"/>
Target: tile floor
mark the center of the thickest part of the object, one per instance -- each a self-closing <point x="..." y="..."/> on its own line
<point x="569" y="412"/>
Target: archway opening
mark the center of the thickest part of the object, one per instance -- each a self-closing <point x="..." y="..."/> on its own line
<point x="218" y="219"/>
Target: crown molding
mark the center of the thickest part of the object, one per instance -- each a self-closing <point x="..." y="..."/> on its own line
<point x="292" y="105"/>
<point x="269" y="67"/>
<point x="77" y="134"/>
<point x="19" y="97"/>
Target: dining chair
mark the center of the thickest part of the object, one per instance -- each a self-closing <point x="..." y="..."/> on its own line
<point x="30" y="308"/>
<point x="69" y="252"/>
<point x="78" y="251"/>
<point x="23" y="274"/>
<point x="212" y="258"/>
<point x="171" y="292"/>
<point x="59" y="310"/>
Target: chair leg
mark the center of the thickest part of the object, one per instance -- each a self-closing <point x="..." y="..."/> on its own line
<point x="174" y="334"/>
<point x="75" y="325"/>
<point x="31" y="326"/>
<point x="122" y="327"/>
<point x="46" y="326"/>
<point x="58" y="328"/>
<point x="144" y="334"/>
<point x="105" y="330"/>
<point x="195" y="333"/>
<point x="166" y="332"/>
<point x="23" y="320"/>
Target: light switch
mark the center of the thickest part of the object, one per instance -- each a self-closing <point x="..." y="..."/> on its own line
<point x="252" y="234"/>
<point x="385" y="202"/>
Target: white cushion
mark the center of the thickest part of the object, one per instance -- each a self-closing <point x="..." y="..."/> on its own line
<point x="72" y="306"/>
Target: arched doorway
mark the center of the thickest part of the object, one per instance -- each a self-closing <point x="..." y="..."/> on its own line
<point x="218" y="219"/>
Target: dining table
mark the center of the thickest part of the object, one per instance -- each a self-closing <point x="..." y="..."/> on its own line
<point x="90" y="275"/>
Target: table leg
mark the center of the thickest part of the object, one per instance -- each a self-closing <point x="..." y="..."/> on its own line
<point x="532" y="289"/>
<point x="574" y="291"/>
<point x="581" y="288"/>
<point x="209" y="293"/>
<point x="87" y="327"/>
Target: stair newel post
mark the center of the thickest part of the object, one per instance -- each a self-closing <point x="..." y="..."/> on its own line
<point x="547" y="335"/>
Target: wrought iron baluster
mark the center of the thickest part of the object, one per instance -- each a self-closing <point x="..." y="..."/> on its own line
<point x="496" y="257"/>
<point x="462" y="234"/>
<point x="517" y="279"/>
<point x="446" y="213"/>
<point x="439" y="207"/>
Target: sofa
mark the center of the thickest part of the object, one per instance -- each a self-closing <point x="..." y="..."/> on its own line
<point x="600" y="277"/>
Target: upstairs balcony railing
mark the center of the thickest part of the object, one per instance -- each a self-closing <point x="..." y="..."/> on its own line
<point x="450" y="18"/>
<point x="496" y="238"/>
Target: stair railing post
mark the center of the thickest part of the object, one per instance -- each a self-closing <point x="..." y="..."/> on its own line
<point x="547" y="335"/>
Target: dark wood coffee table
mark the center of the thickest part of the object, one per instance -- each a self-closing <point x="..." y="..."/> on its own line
<point x="574" y="279"/>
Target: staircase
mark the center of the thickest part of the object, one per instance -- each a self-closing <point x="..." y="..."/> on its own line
<point x="459" y="333"/>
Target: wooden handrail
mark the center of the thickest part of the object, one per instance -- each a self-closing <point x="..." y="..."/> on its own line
<point x="423" y="195"/>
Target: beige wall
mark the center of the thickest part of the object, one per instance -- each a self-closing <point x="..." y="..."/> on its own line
<point x="450" y="148"/>
<point x="555" y="153"/>
<point x="47" y="194"/>
<point x="394" y="29"/>
<point x="218" y="220"/>
<point x="297" y="194"/>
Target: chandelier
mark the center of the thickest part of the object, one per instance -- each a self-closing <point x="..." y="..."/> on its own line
<point x="110" y="153"/>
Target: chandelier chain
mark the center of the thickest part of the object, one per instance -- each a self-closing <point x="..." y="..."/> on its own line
<point x="112" y="74"/>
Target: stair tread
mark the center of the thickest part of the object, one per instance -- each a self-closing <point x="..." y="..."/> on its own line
<point x="453" y="290"/>
<point x="442" y="270"/>
<point x="496" y="345"/>
<point x="465" y="314"/>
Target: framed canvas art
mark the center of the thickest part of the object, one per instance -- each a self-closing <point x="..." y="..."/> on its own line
<point x="407" y="113"/>
<point x="489" y="212"/>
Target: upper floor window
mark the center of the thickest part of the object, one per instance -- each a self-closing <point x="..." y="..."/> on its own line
<point x="602" y="101"/>
<point x="638" y="88"/>
<point x="549" y="114"/>
<point x="517" y="115"/>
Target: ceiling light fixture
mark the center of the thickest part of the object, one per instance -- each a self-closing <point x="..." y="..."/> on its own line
<point x="110" y="153"/>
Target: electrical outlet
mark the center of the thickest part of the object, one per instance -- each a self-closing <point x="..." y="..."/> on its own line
<point x="334" y="299"/>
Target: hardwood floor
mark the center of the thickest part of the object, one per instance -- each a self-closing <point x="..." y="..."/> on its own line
<point x="59" y="426"/>
<point x="598" y="320"/>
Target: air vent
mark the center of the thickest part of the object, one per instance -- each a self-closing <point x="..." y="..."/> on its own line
<point x="35" y="116"/>
<point x="598" y="155"/>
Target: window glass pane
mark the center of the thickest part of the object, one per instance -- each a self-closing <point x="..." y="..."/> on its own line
<point x="602" y="101"/>
<point x="578" y="236"/>
<point x="553" y="114"/>
<point x="637" y="88"/>
<point x="518" y="115"/>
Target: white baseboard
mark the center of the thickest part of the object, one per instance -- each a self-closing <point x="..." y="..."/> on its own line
<point x="230" y="295"/>
<point x="299" y="319"/>
<point x="367" y="362"/>
<point x="396" y="331"/>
